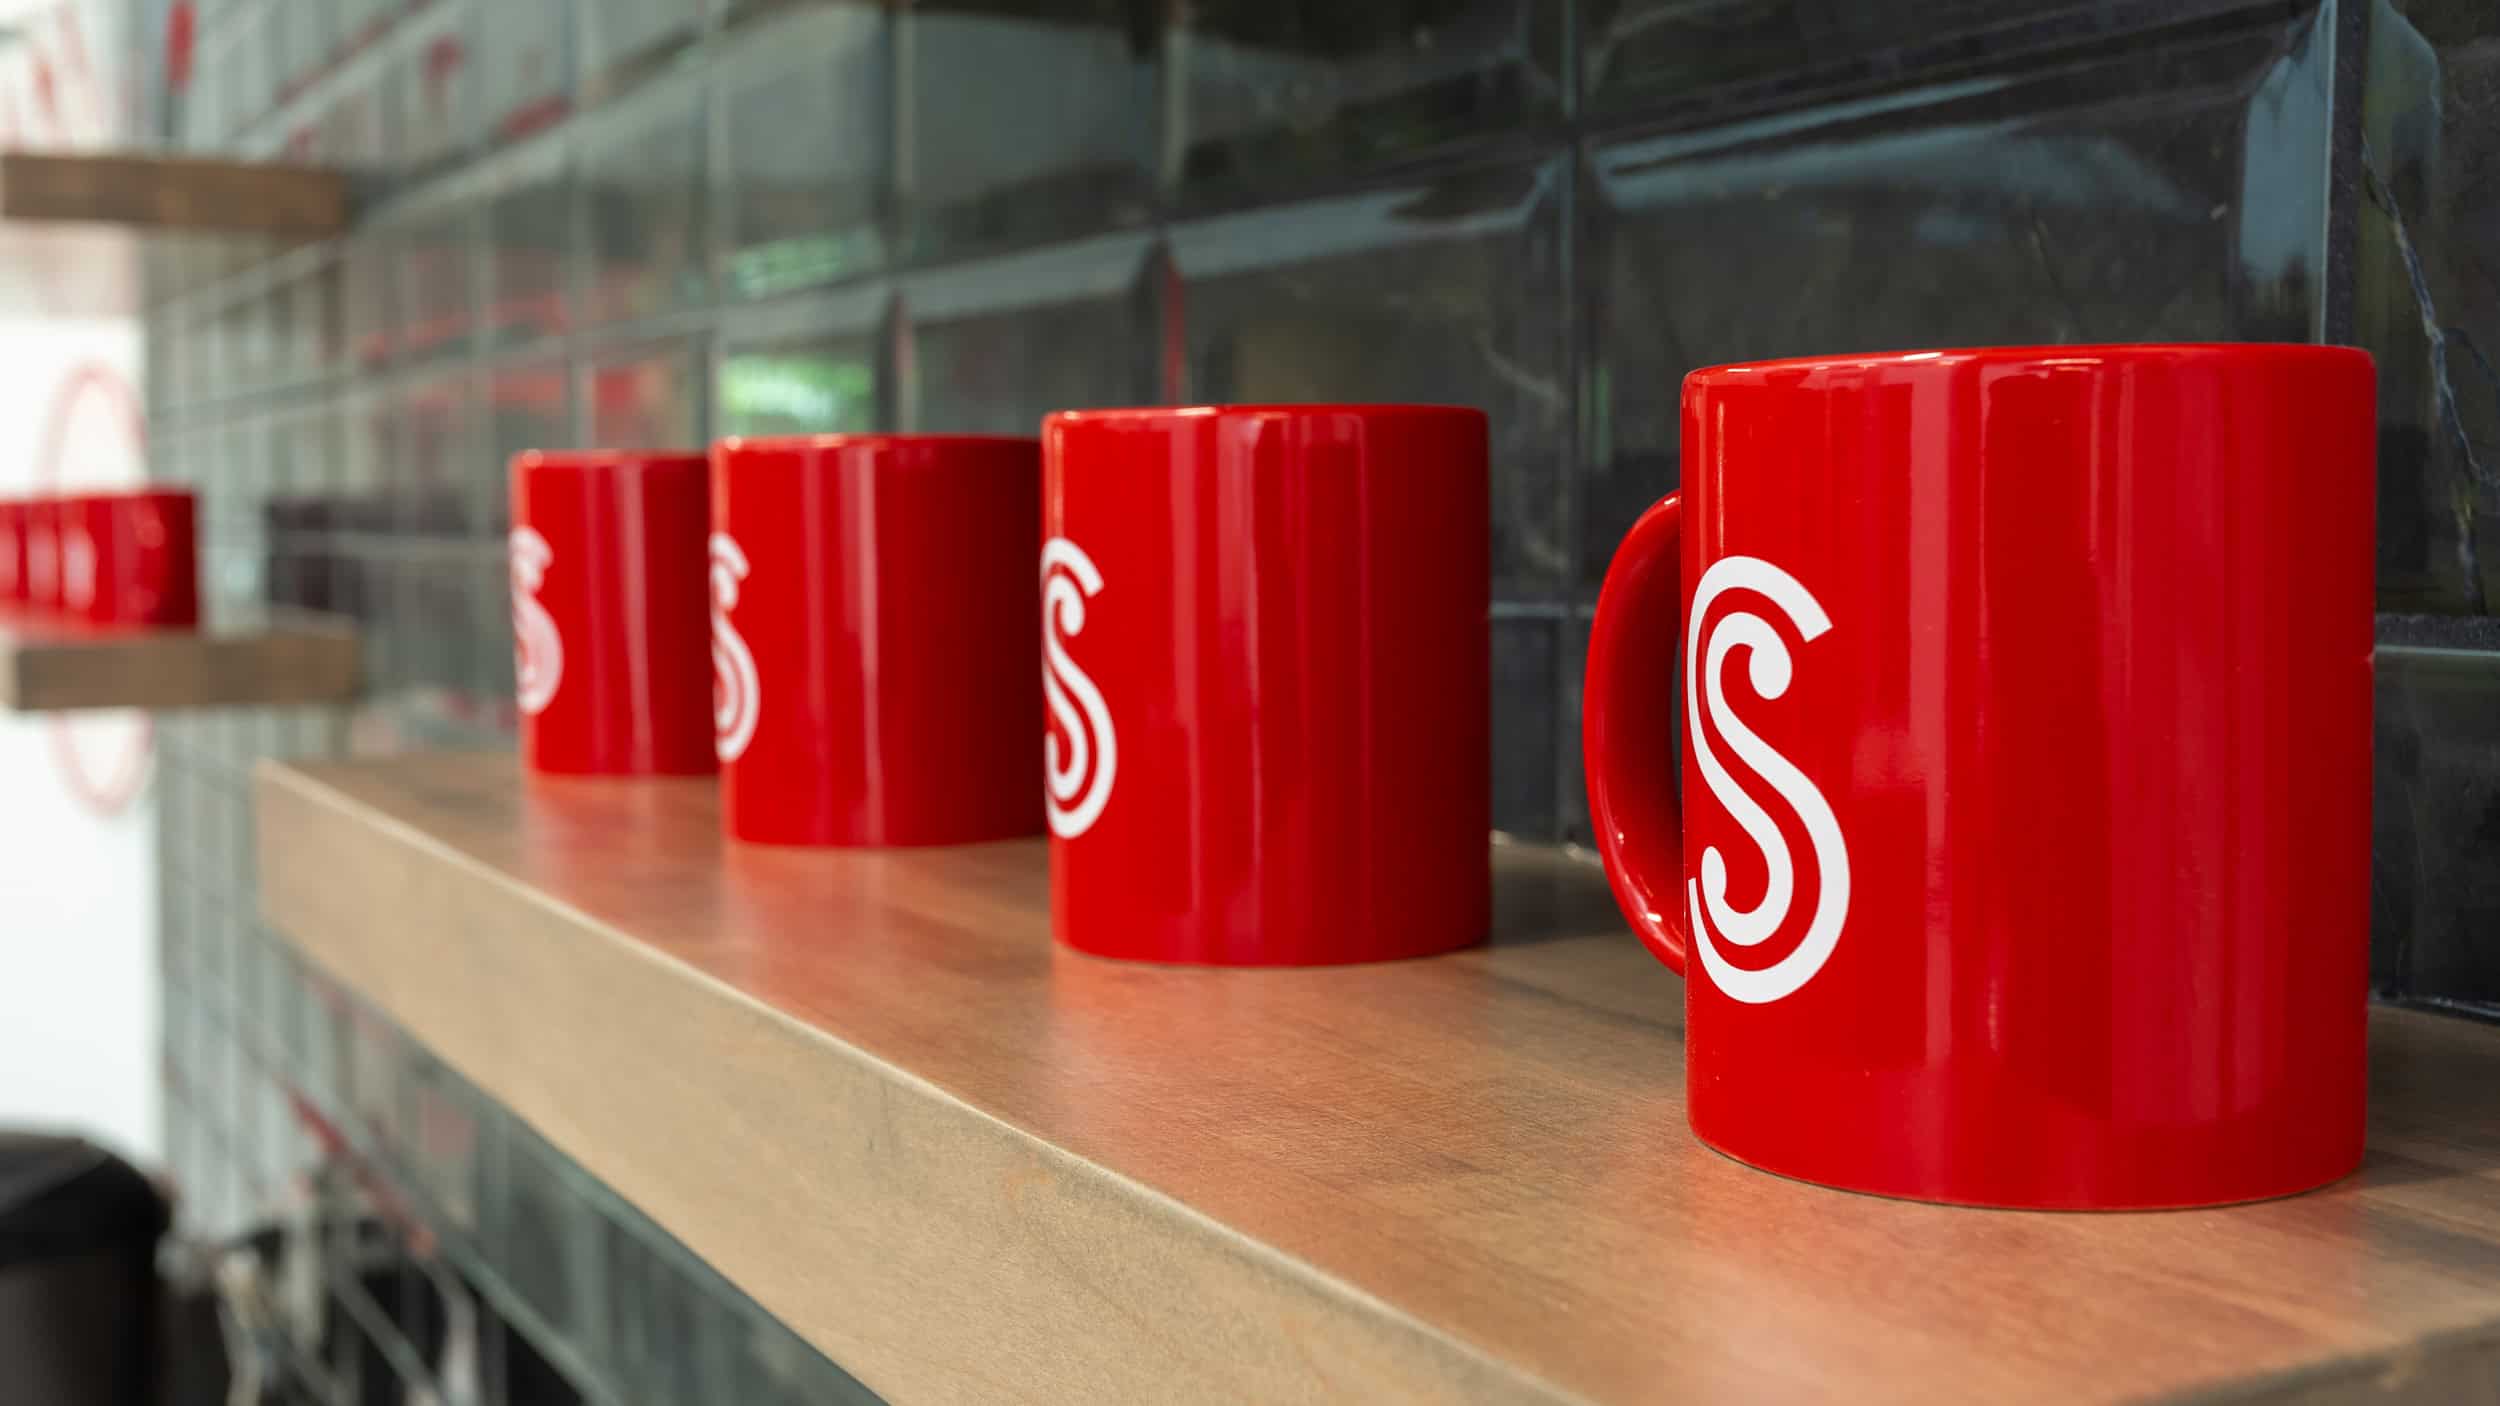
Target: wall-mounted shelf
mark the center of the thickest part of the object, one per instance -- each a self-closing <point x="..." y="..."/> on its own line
<point x="173" y="193"/>
<point x="866" y="1088"/>
<point x="50" y="666"/>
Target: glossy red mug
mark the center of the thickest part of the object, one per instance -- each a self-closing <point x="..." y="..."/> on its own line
<point x="873" y="657"/>
<point x="610" y="636"/>
<point x="131" y="557"/>
<point x="2022" y="851"/>
<point x="12" y="551"/>
<point x="42" y="549"/>
<point x="1266" y="669"/>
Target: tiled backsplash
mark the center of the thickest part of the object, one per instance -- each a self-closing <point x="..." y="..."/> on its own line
<point x="636" y="221"/>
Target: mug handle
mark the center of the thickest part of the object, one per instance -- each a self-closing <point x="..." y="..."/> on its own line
<point x="1627" y="729"/>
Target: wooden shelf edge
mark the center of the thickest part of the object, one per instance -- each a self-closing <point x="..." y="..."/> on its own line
<point x="866" y="1089"/>
<point x="283" y="660"/>
<point x="173" y="193"/>
<point x="932" y="1251"/>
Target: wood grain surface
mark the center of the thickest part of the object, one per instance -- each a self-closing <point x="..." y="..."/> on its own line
<point x="173" y="193"/>
<point x="971" y="1167"/>
<point x="49" y="667"/>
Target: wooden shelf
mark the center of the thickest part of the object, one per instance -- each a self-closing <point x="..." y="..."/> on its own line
<point x="173" y="193"/>
<point x="49" y="666"/>
<point x="866" y="1088"/>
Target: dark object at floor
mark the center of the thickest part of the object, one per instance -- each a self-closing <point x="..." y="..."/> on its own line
<point x="78" y="1234"/>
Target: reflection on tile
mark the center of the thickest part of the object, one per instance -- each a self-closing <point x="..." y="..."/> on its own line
<point x="527" y="407"/>
<point x="996" y="345"/>
<point x="642" y="206"/>
<point x="434" y="84"/>
<point x="1283" y="92"/>
<point x="1449" y="292"/>
<point x="1027" y="123"/>
<point x="529" y="233"/>
<point x="437" y="290"/>
<point x="1719" y="56"/>
<point x="805" y="382"/>
<point x="434" y="484"/>
<point x="1524" y="670"/>
<point x="524" y="79"/>
<point x="623" y="38"/>
<point x="2428" y="256"/>
<point x="2435" y="889"/>
<point x="649" y="398"/>
<point x="804" y="153"/>
<point x="2164" y="197"/>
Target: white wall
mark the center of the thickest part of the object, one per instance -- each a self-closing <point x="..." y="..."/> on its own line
<point x="78" y="984"/>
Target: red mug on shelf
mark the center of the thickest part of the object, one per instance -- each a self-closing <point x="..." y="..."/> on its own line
<point x="609" y="631"/>
<point x="875" y="665"/>
<point x="131" y="557"/>
<point x="42" y="519"/>
<point x="12" y="551"/>
<point x="2022" y="853"/>
<point x="1267" y="682"/>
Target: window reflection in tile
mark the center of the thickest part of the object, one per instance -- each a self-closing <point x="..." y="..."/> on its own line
<point x="1027" y="123"/>
<point x="1447" y="292"/>
<point x="2428" y="256"/>
<point x="529" y="235"/>
<point x="646" y="398"/>
<point x="820" y="374"/>
<point x="642" y="206"/>
<point x="2169" y="196"/>
<point x="1718" y="56"/>
<point x="2435" y="890"/>
<point x="803" y="152"/>
<point x="996" y="345"/>
<point x="1285" y="91"/>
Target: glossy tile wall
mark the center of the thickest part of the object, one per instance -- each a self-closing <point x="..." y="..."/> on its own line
<point x="621" y="221"/>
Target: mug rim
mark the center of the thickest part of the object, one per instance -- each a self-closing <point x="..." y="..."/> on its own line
<point x="1121" y="414"/>
<point x="823" y="443"/>
<point x="2107" y="352"/>
<point x="593" y="460"/>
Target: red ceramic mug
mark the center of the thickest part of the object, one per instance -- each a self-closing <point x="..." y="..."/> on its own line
<point x="608" y="625"/>
<point x="42" y="549"/>
<point x="2022" y="854"/>
<point x="131" y="557"/>
<point x="874" y="663"/>
<point x="13" y="551"/>
<point x="1267" y="677"/>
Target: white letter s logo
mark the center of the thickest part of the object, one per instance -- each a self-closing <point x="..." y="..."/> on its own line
<point x="735" y="691"/>
<point x="1769" y="672"/>
<point x="1082" y="750"/>
<point x="538" y="650"/>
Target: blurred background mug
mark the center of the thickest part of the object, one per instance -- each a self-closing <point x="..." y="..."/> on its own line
<point x="876" y="675"/>
<point x="131" y="557"/>
<point x="42" y="519"/>
<point x="608" y="625"/>
<point x="2021" y="855"/>
<point x="13" y="551"/>
<point x="1266" y="669"/>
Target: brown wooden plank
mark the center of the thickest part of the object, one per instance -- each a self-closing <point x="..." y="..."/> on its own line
<point x="50" y="667"/>
<point x="966" y="1165"/>
<point x="173" y="192"/>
